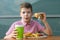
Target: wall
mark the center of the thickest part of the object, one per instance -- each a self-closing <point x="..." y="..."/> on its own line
<point x="9" y="12"/>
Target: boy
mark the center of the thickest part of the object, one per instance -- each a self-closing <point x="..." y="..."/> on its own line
<point x="29" y="24"/>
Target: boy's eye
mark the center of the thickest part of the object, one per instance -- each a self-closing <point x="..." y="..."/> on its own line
<point x="23" y="12"/>
<point x="28" y="12"/>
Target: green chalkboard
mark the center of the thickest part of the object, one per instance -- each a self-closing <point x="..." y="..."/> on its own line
<point x="11" y="7"/>
<point x="49" y="6"/>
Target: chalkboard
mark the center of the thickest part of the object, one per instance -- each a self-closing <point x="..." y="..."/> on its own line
<point x="49" y="6"/>
<point x="11" y="7"/>
<point x="9" y="12"/>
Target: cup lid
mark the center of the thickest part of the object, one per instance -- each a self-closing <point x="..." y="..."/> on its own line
<point x="19" y="25"/>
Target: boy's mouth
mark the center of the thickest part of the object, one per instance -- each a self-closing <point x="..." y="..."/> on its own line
<point x="26" y="18"/>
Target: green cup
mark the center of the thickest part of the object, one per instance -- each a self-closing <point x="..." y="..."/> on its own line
<point x="20" y="30"/>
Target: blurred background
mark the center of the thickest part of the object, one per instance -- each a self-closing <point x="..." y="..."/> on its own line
<point x="9" y="13"/>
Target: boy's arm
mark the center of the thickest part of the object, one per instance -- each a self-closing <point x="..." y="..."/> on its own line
<point x="7" y="37"/>
<point x="42" y="17"/>
<point x="11" y="36"/>
<point x="47" y="30"/>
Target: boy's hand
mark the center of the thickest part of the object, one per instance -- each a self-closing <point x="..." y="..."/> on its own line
<point x="44" y="17"/>
<point x="13" y="34"/>
<point x="40" y="15"/>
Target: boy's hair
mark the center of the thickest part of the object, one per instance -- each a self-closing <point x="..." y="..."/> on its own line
<point x="26" y="5"/>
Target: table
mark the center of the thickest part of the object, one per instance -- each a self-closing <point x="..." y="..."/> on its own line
<point x="45" y="38"/>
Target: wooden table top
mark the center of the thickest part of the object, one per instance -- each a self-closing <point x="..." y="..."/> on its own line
<point x="46" y="38"/>
<point x="43" y="38"/>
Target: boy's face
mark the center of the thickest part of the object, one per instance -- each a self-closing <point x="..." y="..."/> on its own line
<point x="26" y="14"/>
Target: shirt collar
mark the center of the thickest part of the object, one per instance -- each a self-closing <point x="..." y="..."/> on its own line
<point x="24" y="23"/>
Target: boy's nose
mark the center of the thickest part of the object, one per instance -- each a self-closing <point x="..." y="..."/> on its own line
<point x="26" y="14"/>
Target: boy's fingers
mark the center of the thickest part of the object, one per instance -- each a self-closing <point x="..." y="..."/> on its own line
<point x="15" y="34"/>
<point x="15" y="30"/>
<point x="14" y="37"/>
